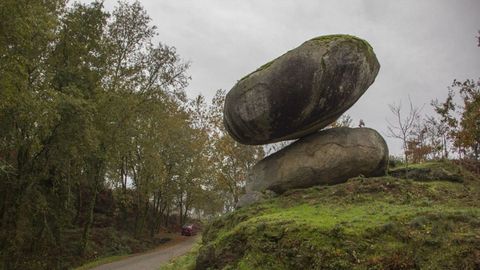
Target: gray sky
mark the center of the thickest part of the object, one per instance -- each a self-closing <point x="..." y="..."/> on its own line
<point x="421" y="45"/>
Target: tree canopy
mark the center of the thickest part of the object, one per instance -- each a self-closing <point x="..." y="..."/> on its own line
<point x="93" y="107"/>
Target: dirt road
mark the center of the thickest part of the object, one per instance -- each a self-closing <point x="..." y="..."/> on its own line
<point x="151" y="260"/>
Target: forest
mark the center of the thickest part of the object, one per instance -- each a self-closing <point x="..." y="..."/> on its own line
<point x="96" y="130"/>
<point x="99" y="140"/>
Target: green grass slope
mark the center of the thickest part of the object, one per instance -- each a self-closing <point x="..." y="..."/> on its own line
<point x="185" y="262"/>
<point x="366" y="223"/>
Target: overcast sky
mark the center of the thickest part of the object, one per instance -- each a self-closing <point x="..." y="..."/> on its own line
<point x="421" y="45"/>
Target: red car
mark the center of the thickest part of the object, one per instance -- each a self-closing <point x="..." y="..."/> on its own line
<point x="189" y="230"/>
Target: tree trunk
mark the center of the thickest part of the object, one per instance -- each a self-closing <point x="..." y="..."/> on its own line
<point x="88" y="223"/>
<point x="180" y="207"/>
<point x="185" y="213"/>
<point x="98" y="167"/>
<point x="476" y="150"/>
<point x="156" y="215"/>
<point x="76" y="220"/>
<point x="167" y="216"/>
<point x="123" y="204"/>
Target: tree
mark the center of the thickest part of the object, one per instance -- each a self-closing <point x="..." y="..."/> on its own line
<point x="418" y="147"/>
<point x="85" y="103"/>
<point x="94" y="122"/>
<point x="404" y="125"/>
<point x="437" y="137"/>
<point x="460" y="121"/>
<point x="232" y="160"/>
<point x="29" y="184"/>
<point x="343" y="121"/>
<point x="448" y="121"/>
<point x="467" y="138"/>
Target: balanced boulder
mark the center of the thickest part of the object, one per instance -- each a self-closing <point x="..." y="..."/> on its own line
<point x="327" y="157"/>
<point x="301" y="91"/>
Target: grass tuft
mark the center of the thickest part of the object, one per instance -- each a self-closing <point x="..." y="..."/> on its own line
<point x="185" y="262"/>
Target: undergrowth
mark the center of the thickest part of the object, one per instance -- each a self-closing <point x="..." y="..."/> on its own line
<point x="365" y="223"/>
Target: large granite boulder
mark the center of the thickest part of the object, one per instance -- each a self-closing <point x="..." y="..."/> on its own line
<point x="327" y="157"/>
<point x="301" y="91"/>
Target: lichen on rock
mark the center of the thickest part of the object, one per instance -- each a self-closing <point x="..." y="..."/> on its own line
<point x="302" y="91"/>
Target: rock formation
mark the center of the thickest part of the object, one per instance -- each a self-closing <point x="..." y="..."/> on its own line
<point x="295" y="96"/>
<point x="301" y="91"/>
<point x="327" y="157"/>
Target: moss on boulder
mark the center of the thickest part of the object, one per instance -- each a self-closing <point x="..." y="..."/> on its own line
<point x="300" y="92"/>
<point x="365" y="223"/>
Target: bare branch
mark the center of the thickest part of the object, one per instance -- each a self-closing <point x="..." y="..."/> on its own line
<point x="404" y="125"/>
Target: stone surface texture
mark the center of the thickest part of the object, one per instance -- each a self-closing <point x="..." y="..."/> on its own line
<point x="301" y="91"/>
<point x="327" y="157"/>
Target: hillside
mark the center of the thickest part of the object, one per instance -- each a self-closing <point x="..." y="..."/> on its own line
<point x="366" y="223"/>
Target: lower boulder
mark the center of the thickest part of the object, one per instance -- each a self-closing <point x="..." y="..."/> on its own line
<point x="254" y="197"/>
<point x="327" y="157"/>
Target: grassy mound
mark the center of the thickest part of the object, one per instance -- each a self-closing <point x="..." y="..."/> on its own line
<point x="366" y="223"/>
<point x="429" y="171"/>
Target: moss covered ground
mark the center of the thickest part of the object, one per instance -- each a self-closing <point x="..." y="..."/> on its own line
<point x="429" y="171"/>
<point x="365" y="223"/>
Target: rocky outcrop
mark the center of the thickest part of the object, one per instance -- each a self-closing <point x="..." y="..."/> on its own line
<point x="295" y="96"/>
<point x="327" y="157"/>
<point x="301" y="91"/>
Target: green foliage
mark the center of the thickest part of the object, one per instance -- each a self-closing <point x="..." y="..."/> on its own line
<point x="366" y="223"/>
<point x="231" y="160"/>
<point x="184" y="262"/>
<point x="468" y="136"/>
<point x="461" y="126"/>
<point x="395" y="161"/>
<point x="95" y="130"/>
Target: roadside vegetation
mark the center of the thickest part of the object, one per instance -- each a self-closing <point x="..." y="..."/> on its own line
<point x="186" y="262"/>
<point x="100" y="147"/>
<point x="366" y="223"/>
<point x="101" y="261"/>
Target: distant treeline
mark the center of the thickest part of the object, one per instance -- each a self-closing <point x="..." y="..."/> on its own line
<point x="452" y="132"/>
